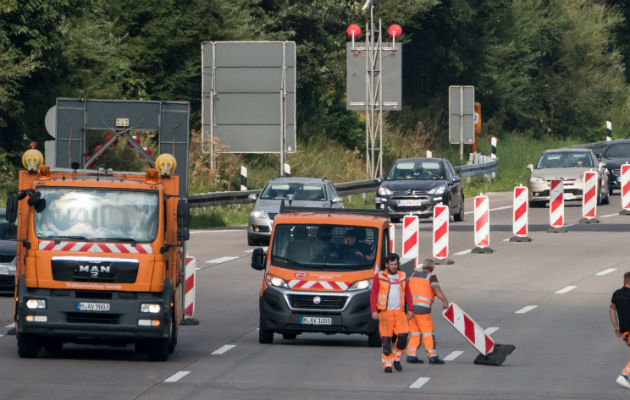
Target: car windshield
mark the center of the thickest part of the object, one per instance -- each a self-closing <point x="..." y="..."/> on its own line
<point x="618" y="150"/>
<point x="8" y="231"/>
<point x="324" y="247"/>
<point x="416" y="170"/>
<point x="300" y="191"/>
<point x="98" y="215"/>
<point x="568" y="159"/>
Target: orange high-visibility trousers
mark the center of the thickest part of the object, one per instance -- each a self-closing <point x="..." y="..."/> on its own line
<point x="421" y="325"/>
<point x="390" y="322"/>
<point x="626" y="338"/>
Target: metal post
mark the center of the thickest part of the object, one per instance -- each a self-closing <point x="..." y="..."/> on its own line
<point x="283" y="95"/>
<point x="461" y="123"/>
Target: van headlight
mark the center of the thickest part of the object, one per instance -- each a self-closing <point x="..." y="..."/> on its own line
<point x="359" y="285"/>
<point x="275" y="281"/>
<point x="258" y="214"/>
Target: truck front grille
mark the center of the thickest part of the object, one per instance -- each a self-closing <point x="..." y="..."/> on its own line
<point x="92" y="318"/>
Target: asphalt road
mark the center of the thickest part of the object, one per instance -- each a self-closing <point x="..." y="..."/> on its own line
<point x="548" y="297"/>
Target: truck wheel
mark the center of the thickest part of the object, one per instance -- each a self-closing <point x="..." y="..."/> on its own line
<point x="158" y="349"/>
<point x="53" y="344"/>
<point x="28" y="345"/>
<point x="374" y="339"/>
<point x="173" y="341"/>
<point x="265" y="336"/>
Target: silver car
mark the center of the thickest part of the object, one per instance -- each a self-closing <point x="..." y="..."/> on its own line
<point x="297" y="192"/>
<point x="568" y="165"/>
<point x="8" y="251"/>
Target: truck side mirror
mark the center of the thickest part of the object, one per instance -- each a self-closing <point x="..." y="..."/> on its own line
<point x="258" y="259"/>
<point x="183" y="234"/>
<point x="11" y="211"/>
<point x="183" y="214"/>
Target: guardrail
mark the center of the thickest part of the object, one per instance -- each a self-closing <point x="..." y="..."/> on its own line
<point x="484" y="166"/>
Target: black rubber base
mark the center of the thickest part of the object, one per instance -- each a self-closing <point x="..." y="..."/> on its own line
<point x="520" y="239"/>
<point x="482" y="250"/>
<point x="497" y="356"/>
<point x="589" y="221"/>
<point x="556" y="230"/>
<point x="624" y="212"/>
<point x="189" y="321"/>
<point x="443" y="261"/>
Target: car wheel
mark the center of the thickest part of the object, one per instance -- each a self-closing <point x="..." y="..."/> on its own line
<point x="374" y="338"/>
<point x="460" y="215"/>
<point x="394" y="220"/>
<point x="535" y="204"/>
<point x="289" y="335"/>
<point x="606" y="200"/>
<point x="265" y="336"/>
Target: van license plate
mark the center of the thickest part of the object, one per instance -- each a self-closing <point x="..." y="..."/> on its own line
<point x="85" y="306"/>
<point x="316" y="321"/>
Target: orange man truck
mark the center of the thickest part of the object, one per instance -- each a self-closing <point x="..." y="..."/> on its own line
<point x="100" y="257"/>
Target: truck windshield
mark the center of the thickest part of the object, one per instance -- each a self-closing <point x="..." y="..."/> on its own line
<point x="324" y="247"/>
<point x="98" y="215"/>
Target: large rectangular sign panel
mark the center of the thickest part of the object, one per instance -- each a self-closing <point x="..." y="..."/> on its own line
<point x="461" y="118"/>
<point x="248" y="97"/>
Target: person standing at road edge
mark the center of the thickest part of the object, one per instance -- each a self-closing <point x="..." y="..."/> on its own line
<point x="619" y="312"/>
<point x="389" y="295"/>
<point x="424" y="287"/>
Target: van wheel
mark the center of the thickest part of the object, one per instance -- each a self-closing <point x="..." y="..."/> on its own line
<point x="265" y="336"/>
<point x="28" y="345"/>
<point x="374" y="339"/>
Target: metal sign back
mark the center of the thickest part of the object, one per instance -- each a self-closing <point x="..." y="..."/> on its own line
<point x="461" y="109"/>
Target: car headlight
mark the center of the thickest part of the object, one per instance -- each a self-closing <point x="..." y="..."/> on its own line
<point x="358" y="285"/>
<point x="258" y="214"/>
<point x="150" y="308"/>
<point x="383" y="191"/>
<point x="275" y="281"/>
<point x="35" y="304"/>
<point x="437" y="190"/>
<point x="536" y="179"/>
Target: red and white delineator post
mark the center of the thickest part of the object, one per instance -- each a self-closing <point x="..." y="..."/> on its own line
<point x="520" y="215"/>
<point x="589" y="198"/>
<point x="441" y="216"/>
<point x="392" y="238"/>
<point x="411" y="239"/>
<point x="491" y="353"/>
<point x="625" y="189"/>
<point x="556" y="207"/>
<point x="482" y="224"/>
<point x="189" y="291"/>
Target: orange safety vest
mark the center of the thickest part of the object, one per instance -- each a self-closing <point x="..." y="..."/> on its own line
<point x="383" y="290"/>
<point x="422" y="293"/>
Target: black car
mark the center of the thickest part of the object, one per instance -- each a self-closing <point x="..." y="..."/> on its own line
<point x="8" y="251"/>
<point x="615" y="153"/>
<point x="413" y="186"/>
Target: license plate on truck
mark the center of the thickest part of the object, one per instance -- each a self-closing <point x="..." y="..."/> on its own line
<point x="316" y="321"/>
<point x="86" y="306"/>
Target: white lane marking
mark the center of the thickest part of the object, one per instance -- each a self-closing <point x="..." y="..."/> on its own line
<point x="453" y="355"/>
<point x="197" y="268"/>
<point x="606" y="271"/>
<point x="221" y="260"/>
<point x="491" y="330"/>
<point x="223" y="349"/>
<point x="176" y="376"/>
<point x="492" y="209"/>
<point x="10" y="326"/>
<point x="525" y="309"/>
<point x="461" y="253"/>
<point x="217" y="231"/>
<point x="1" y="335"/>
<point x="609" y="215"/>
<point x="419" y="383"/>
<point x="249" y="251"/>
<point x="566" y="289"/>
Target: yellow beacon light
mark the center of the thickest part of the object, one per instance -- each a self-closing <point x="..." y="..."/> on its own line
<point x="31" y="159"/>
<point x="166" y="164"/>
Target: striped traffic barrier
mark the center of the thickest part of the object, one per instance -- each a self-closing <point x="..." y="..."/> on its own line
<point x="589" y="198"/>
<point x="520" y="215"/>
<point x="441" y="216"/>
<point x="189" y="292"/>
<point x="243" y="178"/>
<point x="392" y="238"/>
<point x="556" y="207"/>
<point x="482" y="224"/>
<point x="625" y="189"/>
<point x="411" y="239"/>
<point x="491" y="353"/>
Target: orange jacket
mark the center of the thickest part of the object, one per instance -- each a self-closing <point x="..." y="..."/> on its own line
<point x="422" y="293"/>
<point x="380" y="291"/>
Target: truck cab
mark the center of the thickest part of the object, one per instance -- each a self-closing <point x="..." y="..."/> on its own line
<point x="318" y="272"/>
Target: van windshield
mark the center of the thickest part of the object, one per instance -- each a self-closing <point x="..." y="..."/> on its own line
<point x="324" y="247"/>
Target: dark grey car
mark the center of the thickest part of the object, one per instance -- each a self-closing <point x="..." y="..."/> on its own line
<point x="413" y="186"/>
<point x="298" y="192"/>
<point x="8" y="250"/>
<point x="615" y="153"/>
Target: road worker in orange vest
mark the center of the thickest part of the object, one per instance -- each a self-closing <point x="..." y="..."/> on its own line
<point x="424" y="287"/>
<point x="389" y="296"/>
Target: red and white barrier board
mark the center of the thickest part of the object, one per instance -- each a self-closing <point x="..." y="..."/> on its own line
<point x="392" y="238"/>
<point x="411" y="239"/>
<point x="520" y="212"/>
<point x="482" y="221"/>
<point x="189" y="287"/>
<point x="589" y="198"/>
<point x="625" y="186"/>
<point x="441" y="216"/>
<point x="556" y="204"/>
<point x="469" y="329"/>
